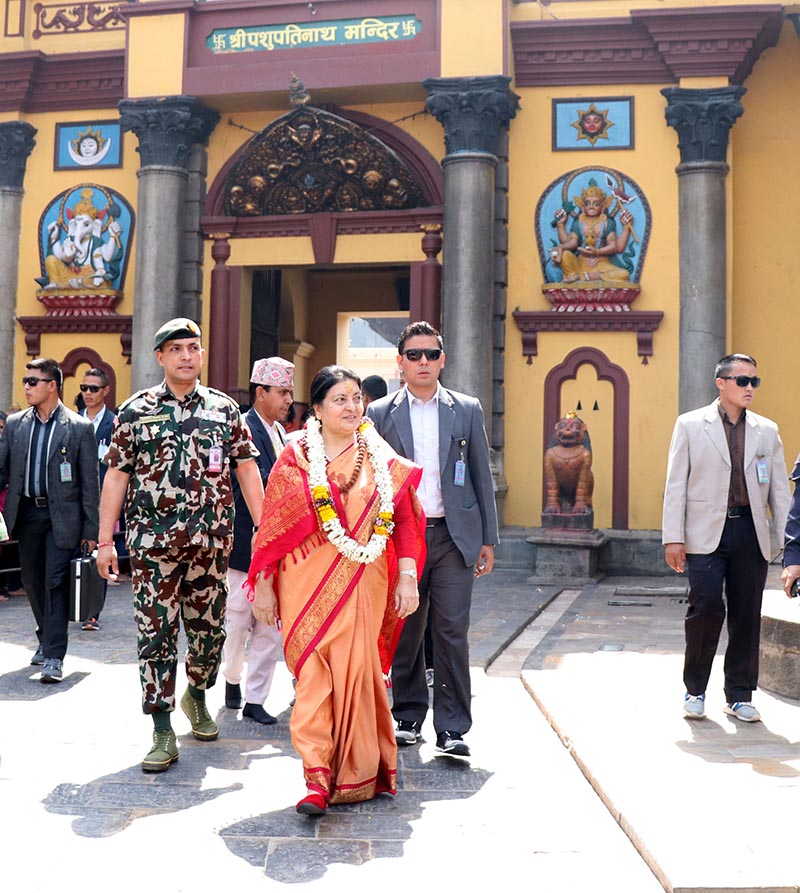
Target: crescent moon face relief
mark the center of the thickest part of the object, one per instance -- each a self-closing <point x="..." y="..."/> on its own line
<point x="89" y="160"/>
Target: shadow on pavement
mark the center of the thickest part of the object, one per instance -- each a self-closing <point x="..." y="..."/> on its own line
<point x="295" y="849"/>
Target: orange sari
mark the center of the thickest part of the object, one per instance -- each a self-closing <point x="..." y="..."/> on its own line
<point x="340" y="627"/>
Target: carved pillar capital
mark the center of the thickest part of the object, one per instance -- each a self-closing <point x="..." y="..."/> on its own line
<point x="472" y="111"/>
<point x="703" y="119"/>
<point x="16" y="144"/>
<point x="167" y="128"/>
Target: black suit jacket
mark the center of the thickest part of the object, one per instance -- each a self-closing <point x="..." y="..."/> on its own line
<point x="243" y="522"/>
<point x="73" y="504"/>
<point x="103" y="433"/>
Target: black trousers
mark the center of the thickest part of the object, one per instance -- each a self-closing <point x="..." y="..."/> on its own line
<point x="445" y="592"/>
<point x="738" y="567"/>
<point x="45" y="576"/>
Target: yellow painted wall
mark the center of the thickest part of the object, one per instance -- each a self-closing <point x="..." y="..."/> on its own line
<point x="653" y="387"/>
<point x="151" y="70"/>
<point x="472" y="38"/>
<point x="766" y="192"/>
<point x="598" y="9"/>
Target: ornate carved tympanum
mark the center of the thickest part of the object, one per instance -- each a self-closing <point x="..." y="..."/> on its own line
<point x="310" y="160"/>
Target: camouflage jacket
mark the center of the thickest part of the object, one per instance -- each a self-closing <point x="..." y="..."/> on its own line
<point x="175" y="497"/>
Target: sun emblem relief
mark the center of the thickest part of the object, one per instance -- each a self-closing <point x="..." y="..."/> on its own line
<point x="592" y="124"/>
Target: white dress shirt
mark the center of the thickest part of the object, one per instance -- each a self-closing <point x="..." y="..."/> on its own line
<point x="424" y="416"/>
<point x="272" y="432"/>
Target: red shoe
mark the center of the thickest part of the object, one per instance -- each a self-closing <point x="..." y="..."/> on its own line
<point x="313" y="804"/>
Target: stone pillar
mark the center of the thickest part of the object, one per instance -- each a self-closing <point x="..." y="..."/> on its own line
<point x="168" y="130"/>
<point x="16" y="144"/>
<point x="703" y="119"/>
<point x="473" y="111"/>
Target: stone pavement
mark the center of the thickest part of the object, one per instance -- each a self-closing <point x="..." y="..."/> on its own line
<point x="627" y="792"/>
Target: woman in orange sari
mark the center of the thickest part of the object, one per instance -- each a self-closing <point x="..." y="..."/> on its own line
<point x="336" y="560"/>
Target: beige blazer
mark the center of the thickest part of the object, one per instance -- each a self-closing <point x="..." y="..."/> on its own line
<point x="699" y="474"/>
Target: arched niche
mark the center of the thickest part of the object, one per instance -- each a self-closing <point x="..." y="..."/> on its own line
<point x="92" y="358"/>
<point x="606" y="371"/>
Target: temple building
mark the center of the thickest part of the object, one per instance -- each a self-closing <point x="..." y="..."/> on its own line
<point x="577" y="192"/>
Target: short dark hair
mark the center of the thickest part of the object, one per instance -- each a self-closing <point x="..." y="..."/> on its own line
<point x="252" y="390"/>
<point x="326" y="378"/>
<point x="727" y="362"/>
<point x="97" y="373"/>
<point x="49" y="368"/>
<point x="374" y="387"/>
<point x="418" y="328"/>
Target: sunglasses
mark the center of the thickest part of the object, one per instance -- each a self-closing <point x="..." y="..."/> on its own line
<point x="94" y="388"/>
<point x="32" y="380"/>
<point x="743" y="380"/>
<point x="415" y="353"/>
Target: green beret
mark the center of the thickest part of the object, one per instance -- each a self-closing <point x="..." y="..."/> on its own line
<point x="174" y="329"/>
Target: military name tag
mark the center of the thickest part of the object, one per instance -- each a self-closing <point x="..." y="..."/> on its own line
<point x="762" y="471"/>
<point x="212" y="416"/>
<point x="149" y="419"/>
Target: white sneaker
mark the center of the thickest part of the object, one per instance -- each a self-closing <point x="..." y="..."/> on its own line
<point x="743" y="710"/>
<point x="694" y="706"/>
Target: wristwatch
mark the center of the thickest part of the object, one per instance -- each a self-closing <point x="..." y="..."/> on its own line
<point x="410" y="572"/>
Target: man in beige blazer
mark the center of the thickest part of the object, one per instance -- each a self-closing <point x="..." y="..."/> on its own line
<point x="725" y="468"/>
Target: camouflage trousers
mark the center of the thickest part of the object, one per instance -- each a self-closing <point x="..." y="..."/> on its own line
<point x="189" y="582"/>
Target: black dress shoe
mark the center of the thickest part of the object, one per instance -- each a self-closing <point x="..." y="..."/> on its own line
<point x="233" y="695"/>
<point x="258" y="713"/>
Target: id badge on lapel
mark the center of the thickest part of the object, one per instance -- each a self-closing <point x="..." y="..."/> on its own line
<point x="762" y="471"/>
<point x="64" y="468"/>
<point x="460" y="471"/>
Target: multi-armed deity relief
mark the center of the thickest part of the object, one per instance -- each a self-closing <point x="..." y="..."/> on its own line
<point x="592" y="229"/>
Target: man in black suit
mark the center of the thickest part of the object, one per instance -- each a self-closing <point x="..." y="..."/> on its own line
<point x="443" y="431"/>
<point x="271" y="394"/>
<point x="48" y="459"/>
<point x="94" y="390"/>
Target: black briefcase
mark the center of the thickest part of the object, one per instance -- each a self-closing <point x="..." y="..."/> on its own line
<point x="86" y="587"/>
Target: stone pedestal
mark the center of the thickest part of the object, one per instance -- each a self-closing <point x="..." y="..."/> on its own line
<point x="779" y="670"/>
<point x="566" y="557"/>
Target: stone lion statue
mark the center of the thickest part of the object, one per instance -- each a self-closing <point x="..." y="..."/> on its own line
<point x="568" y="468"/>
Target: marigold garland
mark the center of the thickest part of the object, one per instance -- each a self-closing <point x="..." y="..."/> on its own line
<point x="325" y="506"/>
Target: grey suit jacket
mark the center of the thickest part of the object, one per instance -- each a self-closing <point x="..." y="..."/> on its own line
<point x="470" y="510"/>
<point x="73" y="504"/>
<point x="699" y="477"/>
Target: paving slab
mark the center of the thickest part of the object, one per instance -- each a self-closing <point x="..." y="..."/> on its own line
<point x="711" y="804"/>
<point x="79" y="815"/>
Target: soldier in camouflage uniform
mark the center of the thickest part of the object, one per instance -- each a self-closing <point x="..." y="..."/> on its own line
<point x="170" y="459"/>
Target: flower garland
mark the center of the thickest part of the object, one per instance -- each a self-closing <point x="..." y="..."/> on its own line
<point x="325" y="506"/>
